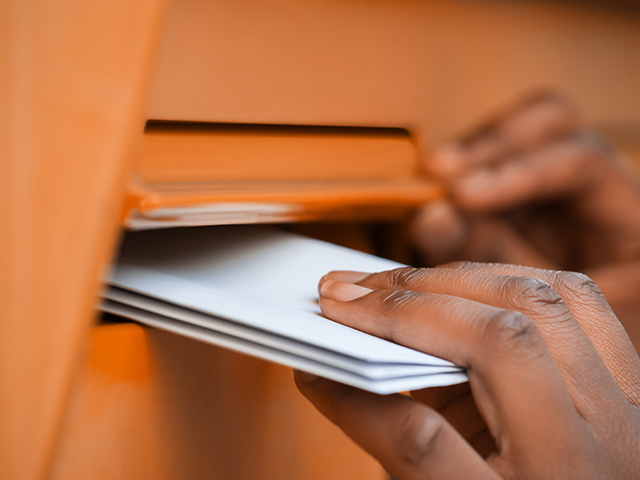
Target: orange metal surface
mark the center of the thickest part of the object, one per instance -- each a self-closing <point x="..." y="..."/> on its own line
<point x="72" y="91"/>
<point x="146" y="404"/>
<point x="153" y="405"/>
<point x="155" y="206"/>
<point x="204" y="174"/>
<point x="432" y="66"/>
<point x="192" y="152"/>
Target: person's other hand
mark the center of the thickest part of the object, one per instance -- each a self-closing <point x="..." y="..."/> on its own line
<point x="536" y="187"/>
<point x="553" y="375"/>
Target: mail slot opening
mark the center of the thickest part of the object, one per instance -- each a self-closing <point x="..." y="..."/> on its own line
<point x="206" y="152"/>
<point x="192" y="174"/>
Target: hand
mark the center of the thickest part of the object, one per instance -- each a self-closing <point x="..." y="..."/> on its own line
<point x="536" y="187"/>
<point x="552" y="374"/>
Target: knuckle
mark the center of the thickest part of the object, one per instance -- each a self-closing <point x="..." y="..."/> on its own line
<point x="419" y="434"/>
<point x="406" y="275"/>
<point x="579" y="285"/>
<point x="392" y="307"/>
<point x="531" y="294"/>
<point x="511" y="330"/>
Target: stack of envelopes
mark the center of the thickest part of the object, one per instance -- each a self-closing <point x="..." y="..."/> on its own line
<point x="253" y="290"/>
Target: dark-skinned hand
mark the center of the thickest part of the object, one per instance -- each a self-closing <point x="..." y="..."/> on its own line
<point x="535" y="186"/>
<point x="553" y="388"/>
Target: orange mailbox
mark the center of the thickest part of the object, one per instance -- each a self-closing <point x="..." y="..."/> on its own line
<point x="128" y="115"/>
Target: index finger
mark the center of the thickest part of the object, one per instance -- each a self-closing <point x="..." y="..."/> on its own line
<point x="566" y="168"/>
<point x="577" y="323"/>
<point x="517" y="385"/>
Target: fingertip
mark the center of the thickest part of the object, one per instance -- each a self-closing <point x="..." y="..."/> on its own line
<point x="437" y="216"/>
<point x="474" y="184"/>
<point x="485" y="190"/>
<point x="447" y="160"/>
<point x="439" y="230"/>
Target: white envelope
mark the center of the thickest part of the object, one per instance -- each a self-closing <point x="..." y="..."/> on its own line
<point x="253" y="289"/>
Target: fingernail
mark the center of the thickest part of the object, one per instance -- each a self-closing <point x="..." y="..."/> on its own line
<point x="342" y="276"/>
<point x="342" y="291"/>
<point x="348" y="276"/>
<point x="305" y="377"/>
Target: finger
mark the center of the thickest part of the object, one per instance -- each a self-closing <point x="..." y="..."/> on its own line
<point x="411" y="440"/>
<point x="564" y="169"/>
<point x="599" y="337"/>
<point x="516" y="383"/>
<point x="496" y="240"/>
<point x="442" y="234"/>
<point x="526" y="126"/>
<point x="539" y="120"/>
<point x="592" y="312"/>
<point x="582" y="349"/>
<point x="577" y="359"/>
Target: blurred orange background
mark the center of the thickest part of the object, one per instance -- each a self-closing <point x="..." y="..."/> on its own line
<point x="79" y="82"/>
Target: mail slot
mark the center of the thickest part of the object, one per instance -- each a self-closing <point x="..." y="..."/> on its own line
<point x="258" y="111"/>
<point x="191" y="173"/>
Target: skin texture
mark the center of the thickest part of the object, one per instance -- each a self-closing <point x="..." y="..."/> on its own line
<point x="553" y="386"/>
<point x="535" y="186"/>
